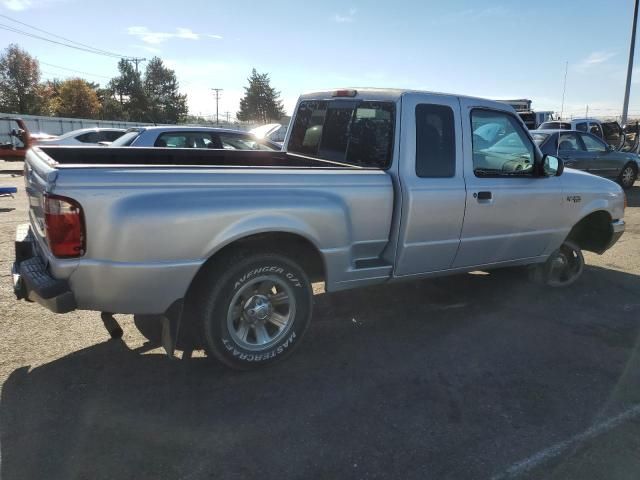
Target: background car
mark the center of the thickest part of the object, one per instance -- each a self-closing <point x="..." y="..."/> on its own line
<point x="177" y="136"/>
<point x="84" y="136"/>
<point x="584" y="151"/>
<point x="611" y="132"/>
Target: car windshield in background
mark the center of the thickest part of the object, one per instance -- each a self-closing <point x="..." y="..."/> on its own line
<point x="347" y="131"/>
<point x="539" y="138"/>
<point x="126" y="139"/>
<point x="555" y="126"/>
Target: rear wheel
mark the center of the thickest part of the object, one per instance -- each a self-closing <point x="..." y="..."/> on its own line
<point x="254" y="309"/>
<point x="628" y="176"/>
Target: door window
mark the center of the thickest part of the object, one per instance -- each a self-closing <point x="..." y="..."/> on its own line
<point x="187" y="140"/>
<point x="501" y="147"/>
<point x="90" y="137"/>
<point x="593" y="144"/>
<point x="582" y="126"/>
<point x="596" y="130"/>
<point x="569" y="142"/>
<point x="111" y="136"/>
<point x="231" y="141"/>
<point x="435" y="141"/>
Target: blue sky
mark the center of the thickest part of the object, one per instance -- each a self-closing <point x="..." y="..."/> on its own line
<point x="499" y="49"/>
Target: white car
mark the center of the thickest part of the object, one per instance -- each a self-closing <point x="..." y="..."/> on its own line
<point x="84" y="136"/>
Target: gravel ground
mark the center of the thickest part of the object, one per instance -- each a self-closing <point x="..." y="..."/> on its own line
<point x="472" y="376"/>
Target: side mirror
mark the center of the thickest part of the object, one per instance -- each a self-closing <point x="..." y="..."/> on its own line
<point x="610" y="148"/>
<point x="552" y="166"/>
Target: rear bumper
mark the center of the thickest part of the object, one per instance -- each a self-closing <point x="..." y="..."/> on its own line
<point x="32" y="280"/>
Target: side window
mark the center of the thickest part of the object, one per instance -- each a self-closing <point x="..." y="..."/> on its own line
<point x="435" y="141"/>
<point x="236" y="142"/>
<point x="500" y="145"/>
<point x="593" y="144"/>
<point x="112" y="136"/>
<point x="186" y="140"/>
<point x="357" y="133"/>
<point x="582" y="126"/>
<point x="89" y="137"/>
<point x="569" y="142"/>
<point x="171" y="140"/>
<point x="596" y="130"/>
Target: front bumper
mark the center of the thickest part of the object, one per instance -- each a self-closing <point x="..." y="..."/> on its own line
<point x="617" y="229"/>
<point x="32" y="280"/>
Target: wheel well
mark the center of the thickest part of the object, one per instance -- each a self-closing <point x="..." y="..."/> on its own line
<point x="290" y="245"/>
<point x="593" y="232"/>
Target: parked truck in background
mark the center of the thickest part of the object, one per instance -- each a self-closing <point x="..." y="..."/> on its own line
<point x="373" y="186"/>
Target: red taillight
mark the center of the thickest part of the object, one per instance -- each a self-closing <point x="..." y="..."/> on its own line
<point x="345" y="93"/>
<point x="64" y="223"/>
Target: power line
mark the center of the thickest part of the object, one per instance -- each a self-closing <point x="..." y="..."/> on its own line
<point x="72" y="70"/>
<point x="33" y="35"/>
<point x="97" y="50"/>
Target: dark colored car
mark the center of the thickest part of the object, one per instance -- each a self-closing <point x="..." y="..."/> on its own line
<point x="584" y="151"/>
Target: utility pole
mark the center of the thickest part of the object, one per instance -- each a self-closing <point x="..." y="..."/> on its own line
<point x="632" y="47"/>
<point x="217" y="90"/>
<point x="587" y="112"/>
<point x="227" y="115"/>
<point x="136" y="61"/>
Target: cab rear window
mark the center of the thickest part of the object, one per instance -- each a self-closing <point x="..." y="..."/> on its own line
<point x="347" y="131"/>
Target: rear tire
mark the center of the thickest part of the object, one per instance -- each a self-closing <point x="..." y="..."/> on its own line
<point x="628" y="176"/>
<point x="253" y="308"/>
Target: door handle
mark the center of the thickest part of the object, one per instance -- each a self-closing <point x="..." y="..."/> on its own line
<point x="483" y="195"/>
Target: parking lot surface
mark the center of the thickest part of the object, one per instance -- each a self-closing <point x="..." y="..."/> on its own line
<point x="473" y="376"/>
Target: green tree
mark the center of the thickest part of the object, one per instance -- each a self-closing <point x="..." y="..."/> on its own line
<point x="127" y="88"/>
<point x="19" y="82"/>
<point x="261" y="101"/>
<point x="77" y="98"/>
<point x="165" y="104"/>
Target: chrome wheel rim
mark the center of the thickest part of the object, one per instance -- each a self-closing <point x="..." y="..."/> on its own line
<point x="565" y="265"/>
<point x="627" y="176"/>
<point x="261" y="313"/>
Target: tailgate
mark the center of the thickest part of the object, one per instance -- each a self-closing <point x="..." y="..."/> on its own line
<point x="39" y="177"/>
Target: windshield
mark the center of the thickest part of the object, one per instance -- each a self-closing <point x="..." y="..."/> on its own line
<point x="126" y="139"/>
<point x="539" y="138"/>
<point x="555" y="126"/>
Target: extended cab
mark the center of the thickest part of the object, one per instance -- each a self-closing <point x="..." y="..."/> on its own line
<point x="374" y="186"/>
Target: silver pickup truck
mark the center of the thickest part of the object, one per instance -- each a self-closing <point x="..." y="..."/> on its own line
<point x="373" y="186"/>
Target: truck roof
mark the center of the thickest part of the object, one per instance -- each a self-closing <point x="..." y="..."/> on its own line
<point x="389" y="94"/>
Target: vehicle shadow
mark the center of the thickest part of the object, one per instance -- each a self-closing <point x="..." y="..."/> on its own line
<point x="450" y="377"/>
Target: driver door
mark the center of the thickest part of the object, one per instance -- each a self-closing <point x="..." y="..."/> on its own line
<point x="510" y="213"/>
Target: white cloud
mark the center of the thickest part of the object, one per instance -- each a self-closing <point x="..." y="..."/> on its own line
<point x="17" y="5"/>
<point x="147" y="48"/>
<point x="156" y="38"/>
<point x="349" y="17"/>
<point x="594" y="59"/>
<point x="21" y="5"/>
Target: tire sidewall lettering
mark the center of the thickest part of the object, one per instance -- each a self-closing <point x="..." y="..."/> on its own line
<point x="259" y="357"/>
<point x="271" y="269"/>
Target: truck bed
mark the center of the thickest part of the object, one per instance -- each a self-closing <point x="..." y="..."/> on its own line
<point x="63" y="156"/>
